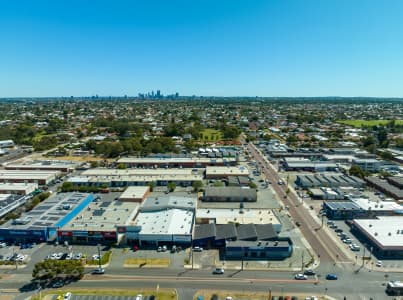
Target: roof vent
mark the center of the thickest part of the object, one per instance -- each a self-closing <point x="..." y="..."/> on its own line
<point x="389" y="234"/>
<point x="376" y="233"/>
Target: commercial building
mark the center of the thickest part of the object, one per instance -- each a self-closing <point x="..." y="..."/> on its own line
<point x="258" y="250"/>
<point x="368" y="164"/>
<point x="176" y="162"/>
<point x="237" y="216"/>
<point x="135" y="194"/>
<point x="136" y="177"/>
<point x="229" y="194"/>
<point x="383" y="234"/>
<point x="23" y="176"/>
<point x="225" y="172"/>
<point x="97" y="223"/>
<point x="360" y="208"/>
<point x="7" y="144"/>
<point x="9" y="202"/>
<point x="390" y="187"/>
<point x="165" y="220"/>
<point x="238" y="181"/>
<point x="44" y="165"/>
<point x="18" y="188"/>
<point x="332" y="180"/>
<point x="291" y="164"/>
<point x="396" y="181"/>
<point x="326" y="194"/>
<point x="244" y="241"/>
<point x="41" y="223"/>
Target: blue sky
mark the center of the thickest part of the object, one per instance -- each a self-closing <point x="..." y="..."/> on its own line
<point x="201" y="47"/>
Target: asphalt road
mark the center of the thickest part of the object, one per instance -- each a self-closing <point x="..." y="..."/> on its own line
<point x="360" y="285"/>
<point x="326" y="249"/>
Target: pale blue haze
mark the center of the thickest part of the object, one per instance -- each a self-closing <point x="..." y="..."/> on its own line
<point x="206" y="47"/>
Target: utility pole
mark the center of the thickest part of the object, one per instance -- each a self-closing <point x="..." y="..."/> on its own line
<point x="363" y="256"/>
<point x="302" y="261"/>
<point x="99" y="256"/>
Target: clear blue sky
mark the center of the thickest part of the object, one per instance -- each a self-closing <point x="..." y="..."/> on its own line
<point x="201" y="47"/>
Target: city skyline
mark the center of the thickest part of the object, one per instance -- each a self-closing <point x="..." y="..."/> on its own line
<point x="264" y="48"/>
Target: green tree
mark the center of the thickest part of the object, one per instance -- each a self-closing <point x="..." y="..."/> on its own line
<point x="197" y="185"/>
<point x="357" y="171"/>
<point x="50" y="269"/>
<point x="171" y="186"/>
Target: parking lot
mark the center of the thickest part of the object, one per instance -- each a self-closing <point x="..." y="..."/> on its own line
<point x="20" y="253"/>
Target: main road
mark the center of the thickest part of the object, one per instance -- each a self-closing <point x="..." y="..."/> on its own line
<point x="324" y="246"/>
<point x="350" y="284"/>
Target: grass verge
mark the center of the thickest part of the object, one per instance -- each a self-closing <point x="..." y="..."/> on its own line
<point x="161" y="294"/>
<point x="367" y="123"/>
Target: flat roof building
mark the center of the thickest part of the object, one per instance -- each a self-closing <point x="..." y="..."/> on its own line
<point x="134" y="177"/>
<point x="225" y="172"/>
<point x="7" y="144"/>
<point x="163" y="220"/>
<point x="237" y="216"/>
<point x="360" y="208"/>
<point x="41" y="223"/>
<point x="44" y="165"/>
<point x="368" y="164"/>
<point x="24" y="176"/>
<point x="384" y="234"/>
<point x="97" y="223"/>
<point x="176" y="162"/>
<point x="9" y="202"/>
<point x="229" y="194"/>
<point x="18" y="188"/>
<point x="308" y="165"/>
<point x="135" y="193"/>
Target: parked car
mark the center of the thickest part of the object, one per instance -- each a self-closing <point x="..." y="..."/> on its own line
<point x="300" y="277"/>
<point x="139" y="297"/>
<point x="218" y="271"/>
<point x="379" y="263"/>
<point x="78" y="256"/>
<point x="135" y="248"/>
<point x="197" y="249"/>
<point x="98" y="271"/>
<point x="298" y="224"/>
<point x="159" y="249"/>
<point x="331" y="277"/>
<point x="67" y="296"/>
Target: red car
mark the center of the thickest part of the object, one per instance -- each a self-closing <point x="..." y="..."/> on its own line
<point x="135" y="248"/>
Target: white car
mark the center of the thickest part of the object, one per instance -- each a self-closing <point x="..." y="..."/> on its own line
<point x="139" y="297"/>
<point x="78" y="256"/>
<point x="300" y="277"/>
<point x="197" y="249"/>
<point x="69" y="256"/>
<point x="67" y="296"/>
<point x="379" y="263"/>
<point x="96" y="257"/>
<point x="218" y="271"/>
